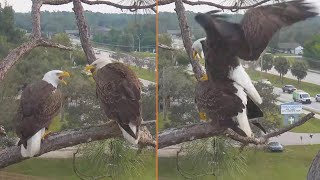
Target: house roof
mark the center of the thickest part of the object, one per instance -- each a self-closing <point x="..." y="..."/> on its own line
<point x="288" y="45"/>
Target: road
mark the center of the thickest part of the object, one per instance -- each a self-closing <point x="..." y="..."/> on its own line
<point x="312" y="77"/>
<point x="285" y="97"/>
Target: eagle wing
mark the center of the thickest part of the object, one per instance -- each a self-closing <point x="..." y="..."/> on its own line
<point x="119" y="91"/>
<point x="40" y="102"/>
<point x="261" y="23"/>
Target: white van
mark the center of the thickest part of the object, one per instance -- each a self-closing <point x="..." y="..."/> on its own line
<point x="301" y="96"/>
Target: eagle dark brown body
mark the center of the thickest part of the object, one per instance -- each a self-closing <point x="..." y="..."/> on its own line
<point x="222" y="97"/>
<point x="119" y="91"/>
<point x="40" y="102"/>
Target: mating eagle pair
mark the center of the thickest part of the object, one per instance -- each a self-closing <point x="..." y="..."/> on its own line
<point x="118" y="89"/>
<point x="228" y="98"/>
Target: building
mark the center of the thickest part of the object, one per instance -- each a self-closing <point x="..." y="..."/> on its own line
<point x="298" y="50"/>
<point x="289" y="47"/>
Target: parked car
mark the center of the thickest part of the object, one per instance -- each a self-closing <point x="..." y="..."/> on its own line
<point x="275" y="147"/>
<point x="288" y="88"/>
<point x="301" y="96"/>
<point x="317" y="97"/>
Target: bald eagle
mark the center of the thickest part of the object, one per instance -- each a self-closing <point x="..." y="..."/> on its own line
<point x="227" y="42"/>
<point x="40" y="102"/>
<point x="119" y="91"/>
<point x="197" y="48"/>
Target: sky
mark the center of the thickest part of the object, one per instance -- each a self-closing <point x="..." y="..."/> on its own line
<point x="25" y="6"/>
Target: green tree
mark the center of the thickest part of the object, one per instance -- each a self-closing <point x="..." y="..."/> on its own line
<point x="299" y="70"/>
<point x="267" y="62"/>
<point x="312" y="47"/>
<point x="281" y="64"/>
<point x="272" y="117"/>
<point x="62" y="38"/>
<point x="182" y="58"/>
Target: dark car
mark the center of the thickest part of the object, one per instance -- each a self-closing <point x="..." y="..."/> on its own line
<point x="317" y="97"/>
<point x="275" y="147"/>
<point x="288" y="88"/>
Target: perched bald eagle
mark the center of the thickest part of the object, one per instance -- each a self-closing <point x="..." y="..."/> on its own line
<point x="197" y="48"/>
<point x="227" y="42"/>
<point x="40" y="102"/>
<point x="119" y="91"/>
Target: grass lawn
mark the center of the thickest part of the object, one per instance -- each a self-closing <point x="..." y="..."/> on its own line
<point x="144" y="73"/>
<point x="312" y="89"/>
<point x="292" y="164"/>
<point x="311" y="126"/>
<point x="61" y="169"/>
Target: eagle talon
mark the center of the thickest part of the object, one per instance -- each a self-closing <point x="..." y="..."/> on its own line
<point x="46" y="134"/>
<point x="204" y="78"/>
<point x="203" y="116"/>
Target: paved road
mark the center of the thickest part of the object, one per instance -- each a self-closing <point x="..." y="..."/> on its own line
<point x="285" y="97"/>
<point x="312" y="77"/>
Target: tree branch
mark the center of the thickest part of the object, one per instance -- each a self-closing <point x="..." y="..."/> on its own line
<point x="186" y="34"/>
<point x="83" y="31"/>
<point x="70" y="138"/>
<point x="314" y="172"/>
<point x="16" y="54"/>
<point x="205" y="130"/>
<point x="193" y="3"/>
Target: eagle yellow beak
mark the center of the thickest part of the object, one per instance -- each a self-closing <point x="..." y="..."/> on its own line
<point x="89" y="69"/>
<point x="194" y="54"/>
<point x="62" y="75"/>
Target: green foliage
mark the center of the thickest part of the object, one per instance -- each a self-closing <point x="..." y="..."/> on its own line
<point x="299" y="69"/>
<point x="272" y="118"/>
<point x="267" y="62"/>
<point x="113" y="158"/>
<point x="62" y="38"/>
<point x="165" y="39"/>
<point x="216" y="156"/>
<point x="312" y="47"/>
<point x="182" y="58"/>
<point x="282" y="65"/>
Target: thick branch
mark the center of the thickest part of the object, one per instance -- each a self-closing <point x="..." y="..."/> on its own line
<point x="205" y="130"/>
<point x="35" y="13"/>
<point x="83" y="31"/>
<point x="56" y="2"/>
<point x="151" y="6"/>
<point x="69" y="138"/>
<point x="193" y="3"/>
<point x="186" y="34"/>
<point x="314" y="172"/>
<point x="17" y="53"/>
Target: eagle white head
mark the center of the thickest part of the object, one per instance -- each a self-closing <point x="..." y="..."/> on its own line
<point x="97" y="64"/>
<point x="55" y="76"/>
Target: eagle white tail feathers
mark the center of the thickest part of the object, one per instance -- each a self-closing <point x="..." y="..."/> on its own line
<point x="242" y="117"/>
<point x="33" y="144"/>
<point x="127" y="136"/>
<point x="240" y="76"/>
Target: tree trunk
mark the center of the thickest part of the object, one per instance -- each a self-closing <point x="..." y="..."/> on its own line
<point x="314" y="173"/>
